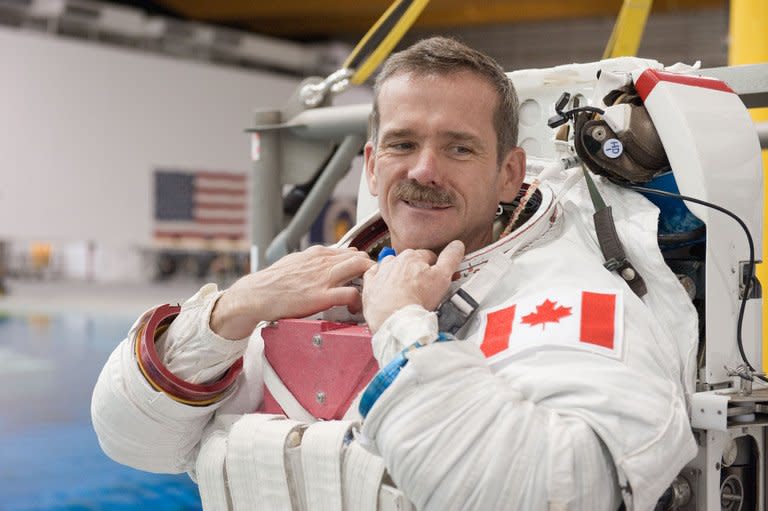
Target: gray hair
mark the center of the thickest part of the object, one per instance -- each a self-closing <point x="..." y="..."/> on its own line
<point x="445" y="56"/>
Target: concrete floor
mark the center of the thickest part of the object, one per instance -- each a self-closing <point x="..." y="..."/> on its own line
<point x="113" y="299"/>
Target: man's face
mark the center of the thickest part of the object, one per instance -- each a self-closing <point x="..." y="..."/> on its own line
<point x="435" y="168"/>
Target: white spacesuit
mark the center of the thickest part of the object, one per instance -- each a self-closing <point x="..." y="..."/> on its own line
<point x="568" y="392"/>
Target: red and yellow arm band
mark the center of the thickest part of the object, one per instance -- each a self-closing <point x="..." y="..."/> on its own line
<point x="158" y="376"/>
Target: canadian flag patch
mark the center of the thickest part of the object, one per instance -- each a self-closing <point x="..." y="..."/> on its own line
<point x="585" y="320"/>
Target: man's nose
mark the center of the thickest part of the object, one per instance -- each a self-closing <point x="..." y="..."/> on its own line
<point x="425" y="169"/>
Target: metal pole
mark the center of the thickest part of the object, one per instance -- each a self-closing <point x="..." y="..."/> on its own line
<point x="288" y="239"/>
<point x="266" y="187"/>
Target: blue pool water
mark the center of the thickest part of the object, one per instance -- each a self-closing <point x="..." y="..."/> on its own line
<point x="49" y="456"/>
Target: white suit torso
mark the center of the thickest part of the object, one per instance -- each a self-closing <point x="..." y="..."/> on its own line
<point x="545" y="422"/>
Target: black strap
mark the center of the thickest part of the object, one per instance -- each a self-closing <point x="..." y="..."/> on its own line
<point x="610" y="244"/>
<point x="613" y="251"/>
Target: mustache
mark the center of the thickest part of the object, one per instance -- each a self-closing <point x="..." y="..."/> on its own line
<point x="412" y="191"/>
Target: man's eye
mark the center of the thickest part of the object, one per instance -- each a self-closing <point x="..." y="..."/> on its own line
<point x="401" y="146"/>
<point x="461" y="150"/>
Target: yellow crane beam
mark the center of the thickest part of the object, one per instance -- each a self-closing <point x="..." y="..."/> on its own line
<point x="628" y="30"/>
<point x="353" y="17"/>
<point x="749" y="45"/>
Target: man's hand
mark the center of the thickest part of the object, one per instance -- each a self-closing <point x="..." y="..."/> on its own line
<point x="297" y="285"/>
<point x="413" y="277"/>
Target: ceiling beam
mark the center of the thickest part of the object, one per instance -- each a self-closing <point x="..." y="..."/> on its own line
<point x="349" y="17"/>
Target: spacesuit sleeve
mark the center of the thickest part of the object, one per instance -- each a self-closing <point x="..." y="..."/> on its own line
<point x="454" y="435"/>
<point x="145" y="428"/>
<point x="190" y="349"/>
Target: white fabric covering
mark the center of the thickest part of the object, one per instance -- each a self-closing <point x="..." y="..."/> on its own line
<point x="533" y="429"/>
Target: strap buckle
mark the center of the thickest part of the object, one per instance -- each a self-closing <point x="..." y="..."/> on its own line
<point x="614" y="264"/>
<point x="456" y="311"/>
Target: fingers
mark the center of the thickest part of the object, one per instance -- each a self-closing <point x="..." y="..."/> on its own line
<point x="318" y="254"/>
<point x="450" y="258"/>
<point x="427" y="256"/>
<point x="344" y="254"/>
<point x="348" y="296"/>
<point x="410" y="255"/>
<point x="371" y="272"/>
<point x="349" y="268"/>
<point x="324" y="250"/>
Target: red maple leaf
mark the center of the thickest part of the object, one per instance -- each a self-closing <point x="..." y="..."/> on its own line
<point x="547" y="313"/>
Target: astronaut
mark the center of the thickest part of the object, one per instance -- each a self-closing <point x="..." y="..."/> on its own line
<point x="564" y="391"/>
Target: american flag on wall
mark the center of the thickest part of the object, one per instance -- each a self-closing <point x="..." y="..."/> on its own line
<point x="200" y="205"/>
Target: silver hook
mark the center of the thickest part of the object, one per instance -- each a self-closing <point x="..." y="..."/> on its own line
<point x="313" y="94"/>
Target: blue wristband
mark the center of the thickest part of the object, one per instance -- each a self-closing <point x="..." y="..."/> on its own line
<point x="387" y="375"/>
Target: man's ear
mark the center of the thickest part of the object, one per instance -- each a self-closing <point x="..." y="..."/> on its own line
<point x="512" y="174"/>
<point x="369" y="167"/>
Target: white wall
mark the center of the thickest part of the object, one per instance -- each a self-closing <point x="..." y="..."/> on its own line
<point x="83" y="126"/>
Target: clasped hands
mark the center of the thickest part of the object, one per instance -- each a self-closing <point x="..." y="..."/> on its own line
<point x="318" y="278"/>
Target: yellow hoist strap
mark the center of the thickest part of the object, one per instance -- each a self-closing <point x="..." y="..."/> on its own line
<point x="628" y="30"/>
<point x="382" y="38"/>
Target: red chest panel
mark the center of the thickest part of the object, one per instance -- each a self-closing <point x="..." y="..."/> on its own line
<point x="324" y="364"/>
